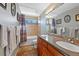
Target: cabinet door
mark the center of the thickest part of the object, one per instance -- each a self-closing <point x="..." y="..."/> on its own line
<point x="46" y="52"/>
<point x="42" y="47"/>
<point x="44" y="43"/>
<point x="45" y="49"/>
<point x="54" y="51"/>
<point x="38" y="46"/>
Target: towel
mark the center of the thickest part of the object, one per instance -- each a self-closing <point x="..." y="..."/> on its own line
<point x="63" y="29"/>
<point x="12" y="38"/>
<point x="18" y="34"/>
<point x="4" y="36"/>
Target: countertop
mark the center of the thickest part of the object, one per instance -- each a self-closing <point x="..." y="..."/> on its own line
<point x="50" y="39"/>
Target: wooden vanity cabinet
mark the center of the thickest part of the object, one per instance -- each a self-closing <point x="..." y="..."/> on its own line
<point x="54" y="51"/>
<point x="42" y="47"/>
<point x="38" y="46"/>
<point x="45" y="49"/>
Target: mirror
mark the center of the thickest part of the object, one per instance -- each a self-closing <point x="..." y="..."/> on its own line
<point x="77" y="33"/>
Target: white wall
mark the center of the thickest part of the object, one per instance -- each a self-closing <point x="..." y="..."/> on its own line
<point x="73" y="23"/>
<point x="5" y="15"/>
<point x="43" y="28"/>
<point x="7" y="19"/>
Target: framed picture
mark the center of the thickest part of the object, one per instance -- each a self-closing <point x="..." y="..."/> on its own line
<point x="77" y="17"/>
<point x="67" y="18"/>
<point x="3" y="5"/>
<point x="59" y="21"/>
<point x="13" y="9"/>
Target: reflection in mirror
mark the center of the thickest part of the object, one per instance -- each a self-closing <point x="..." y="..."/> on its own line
<point x="63" y="31"/>
<point x="77" y="33"/>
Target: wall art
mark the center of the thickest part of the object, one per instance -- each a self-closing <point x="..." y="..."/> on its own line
<point x="3" y="5"/>
<point x="67" y="18"/>
<point x="13" y="9"/>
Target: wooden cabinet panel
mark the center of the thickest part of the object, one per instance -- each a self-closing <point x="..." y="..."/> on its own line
<point x="43" y="43"/>
<point x="54" y="51"/>
<point x="41" y="47"/>
<point x="46" y="52"/>
<point x="38" y="46"/>
<point x="45" y="49"/>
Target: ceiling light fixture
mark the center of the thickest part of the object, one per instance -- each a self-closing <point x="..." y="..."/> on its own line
<point x="51" y="8"/>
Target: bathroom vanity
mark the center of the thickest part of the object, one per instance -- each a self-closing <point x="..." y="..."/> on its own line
<point x="47" y="46"/>
<point x="46" y="49"/>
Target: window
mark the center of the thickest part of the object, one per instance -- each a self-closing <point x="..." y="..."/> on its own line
<point x="31" y="21"/>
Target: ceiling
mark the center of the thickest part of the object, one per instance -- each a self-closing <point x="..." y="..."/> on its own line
<point x="33" y="9"/>
<point x="64" y="7"/>
<point x="51" y="9"/>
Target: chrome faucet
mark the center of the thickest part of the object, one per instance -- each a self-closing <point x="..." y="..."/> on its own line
<point x="71" y="40"/>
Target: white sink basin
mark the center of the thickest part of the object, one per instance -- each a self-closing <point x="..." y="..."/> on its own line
<point x="68" y="46"/>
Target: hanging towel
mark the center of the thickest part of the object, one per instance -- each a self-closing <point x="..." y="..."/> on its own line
<point x="4" y="36"/>
<point x="63" y="29"/>
<point x="18" y="34"/>
<point x="12" y="38"/>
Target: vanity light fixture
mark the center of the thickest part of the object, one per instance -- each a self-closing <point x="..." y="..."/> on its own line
<point x="48" y="16"/>
<point x="50" y="9"/>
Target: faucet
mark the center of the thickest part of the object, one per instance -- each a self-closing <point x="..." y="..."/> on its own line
<point x="71" y="40"/>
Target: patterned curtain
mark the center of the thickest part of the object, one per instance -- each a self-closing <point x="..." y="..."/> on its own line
<point x="23" y="36"/>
